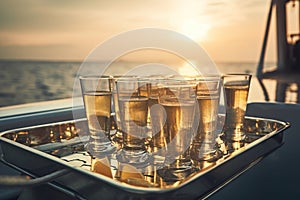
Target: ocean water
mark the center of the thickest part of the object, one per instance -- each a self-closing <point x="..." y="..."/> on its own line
<point x="32" y="81"/>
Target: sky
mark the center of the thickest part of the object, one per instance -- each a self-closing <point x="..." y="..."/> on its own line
<point x="229" y="30"/>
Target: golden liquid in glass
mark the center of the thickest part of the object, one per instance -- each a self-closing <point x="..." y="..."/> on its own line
<point x="208" y="112"/>
<point x="133" y="113"/>
<point x="236" y="103"/>
<point x="97" y="105"/>
<point x="178" y="125"/>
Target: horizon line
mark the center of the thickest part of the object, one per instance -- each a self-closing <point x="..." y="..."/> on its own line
<point x="78" y="61"/>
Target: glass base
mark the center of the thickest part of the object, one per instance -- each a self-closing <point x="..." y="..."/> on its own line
<point x="173" y="172"/>
<point x="117" y="139"/>
<point x="100" y="149"/>
<point x="134" y="157"/>
<point x="229" y="147"/>
<point x="176" y="169"/>
<point x="235" y="135"/>
<point x="118" y="136"/>
<point x="205" y="151"/>
<point x="159" y="158"/>
<point x="211" y="156"/>
<point x="233" y="146"/>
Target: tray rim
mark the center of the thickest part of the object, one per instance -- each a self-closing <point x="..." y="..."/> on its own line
<point x="125" y="186"/>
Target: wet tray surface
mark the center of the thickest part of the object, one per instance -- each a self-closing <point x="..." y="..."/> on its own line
<point x="47" y="148"/>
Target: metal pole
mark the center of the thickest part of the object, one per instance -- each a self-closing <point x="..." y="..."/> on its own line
<point x="263" y="51"/>
<point x="283" y="62"/>
<point x="282" y="45"/>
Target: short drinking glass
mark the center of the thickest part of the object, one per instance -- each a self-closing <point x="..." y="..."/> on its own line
<point x="178" y="101"/>
<point x="204" y="147"/>
<point x="133" y="108"/>
<point x="236" y="87"/>
<point x="97" y="102"/>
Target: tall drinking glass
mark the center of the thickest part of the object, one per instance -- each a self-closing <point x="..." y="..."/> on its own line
<point x="159" y="138"/>
<point x="236" y="87"/>
<point x="118" y="137"/>
<point x="177" y="98"/>
<point x="96" y="93"/>
<point x="204" y="147"/>
<point x="148" y="87"/>
<point x="133" y="108"/>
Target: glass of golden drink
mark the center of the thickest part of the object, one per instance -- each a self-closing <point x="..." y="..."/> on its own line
<point x="118" y="136"/>
<point x="96" y="93"/>
<point x="133" y="109"/>
<point x="236" y="88"/>
<point x="178" y="103"/>
<point x="204" y="147"/>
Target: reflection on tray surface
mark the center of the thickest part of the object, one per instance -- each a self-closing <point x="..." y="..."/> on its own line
<point x="62" y="140"/>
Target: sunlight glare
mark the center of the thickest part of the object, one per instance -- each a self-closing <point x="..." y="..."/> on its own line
<point x="187" y="69"/>
<point x="195" y="30"/>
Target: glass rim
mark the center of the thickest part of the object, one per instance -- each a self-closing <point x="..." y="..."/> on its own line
<point x="173" y="83"/>
<point x="196" y="77"/>
<point x="236" y="74"/>
<point x="129" y="80"/>
<point x="119" y="76"/>
<point x="94" y="77"/>
<point x="209" y="79"/>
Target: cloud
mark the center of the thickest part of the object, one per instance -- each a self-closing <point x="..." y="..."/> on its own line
<point x="83" y="25"/>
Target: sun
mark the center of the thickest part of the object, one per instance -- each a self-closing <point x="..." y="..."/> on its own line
<point x="195" y="30"/>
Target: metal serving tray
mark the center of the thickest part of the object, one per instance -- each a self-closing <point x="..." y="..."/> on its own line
<point x="55" y="150"/>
